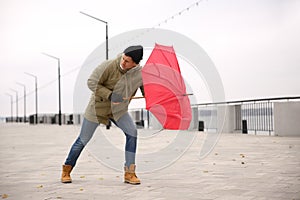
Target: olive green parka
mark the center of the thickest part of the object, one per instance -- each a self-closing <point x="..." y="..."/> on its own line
<point x="109" y="77"/>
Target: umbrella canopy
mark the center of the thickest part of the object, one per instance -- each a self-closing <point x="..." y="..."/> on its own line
<point x="165" y="91"/>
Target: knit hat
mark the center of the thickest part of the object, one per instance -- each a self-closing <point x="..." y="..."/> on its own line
<point x="135" y="52"/>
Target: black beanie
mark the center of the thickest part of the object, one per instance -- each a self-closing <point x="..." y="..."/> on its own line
<point x="135" y="52"/>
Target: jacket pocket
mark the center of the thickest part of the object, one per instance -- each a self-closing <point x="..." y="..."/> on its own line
<point x="102" y="107"/>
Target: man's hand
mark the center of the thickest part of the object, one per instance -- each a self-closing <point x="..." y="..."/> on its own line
<point x="116" y="98"/>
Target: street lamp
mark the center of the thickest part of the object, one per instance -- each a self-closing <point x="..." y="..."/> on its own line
<point x="59" y="98"/>
<point x="11" y="106"/>
<point x="106" y="30"/>
<point x="36" y="97"/>
<point x="17" y="118"/>
<point x="24" y="86"/>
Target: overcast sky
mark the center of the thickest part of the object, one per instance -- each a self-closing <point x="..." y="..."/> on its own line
<point x="254" y="44"/>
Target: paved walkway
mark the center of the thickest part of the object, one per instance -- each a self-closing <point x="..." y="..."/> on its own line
<point x="239" y="167"/>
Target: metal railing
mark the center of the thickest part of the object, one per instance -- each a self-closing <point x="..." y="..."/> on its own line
<point x="257" y="114"/>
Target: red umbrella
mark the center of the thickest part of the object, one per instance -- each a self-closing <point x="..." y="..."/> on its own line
<point x="165" y="91"/>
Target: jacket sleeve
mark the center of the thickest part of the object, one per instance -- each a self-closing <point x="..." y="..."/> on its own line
<point x="95" y="76"/>
<point x="102" y="91"/>
<point x="96" y="80"/>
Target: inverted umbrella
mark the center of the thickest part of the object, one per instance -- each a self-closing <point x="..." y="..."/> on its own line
<point x="165" y="91"/>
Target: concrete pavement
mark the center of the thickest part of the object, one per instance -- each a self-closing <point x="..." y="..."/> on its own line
<point x="239" y="167"/>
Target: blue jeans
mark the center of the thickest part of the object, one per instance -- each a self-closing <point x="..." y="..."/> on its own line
<point x="88" y="128"/>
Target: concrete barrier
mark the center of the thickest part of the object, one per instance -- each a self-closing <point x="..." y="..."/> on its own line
<point x="287" y="118"/>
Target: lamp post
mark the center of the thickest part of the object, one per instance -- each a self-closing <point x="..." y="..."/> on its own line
<point x="36" y="97"/>
<point x="17" y="118"/>
<point x="106" y="30"/>
<point x="11" y="106"/>
<point x="59" y="95"/>
<point x="24" y="87"/>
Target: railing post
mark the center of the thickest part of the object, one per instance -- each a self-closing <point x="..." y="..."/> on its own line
<point x="201" y="126"/>
<point x="244" y="127"/>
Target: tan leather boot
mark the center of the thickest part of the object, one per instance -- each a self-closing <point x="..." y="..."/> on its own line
<point x="130" y="176"/>
<point x="65" y="176"/>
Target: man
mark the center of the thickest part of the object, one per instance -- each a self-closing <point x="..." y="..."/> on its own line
<point x="113" y="83"/>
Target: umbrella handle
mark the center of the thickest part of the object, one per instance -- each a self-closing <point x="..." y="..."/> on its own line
<point x="144" y="97"/>
<point x="188" y="94"/>
<point x="133" y="98"/>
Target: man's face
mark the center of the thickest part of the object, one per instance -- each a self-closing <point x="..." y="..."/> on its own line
<point x="127" y="62"/>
